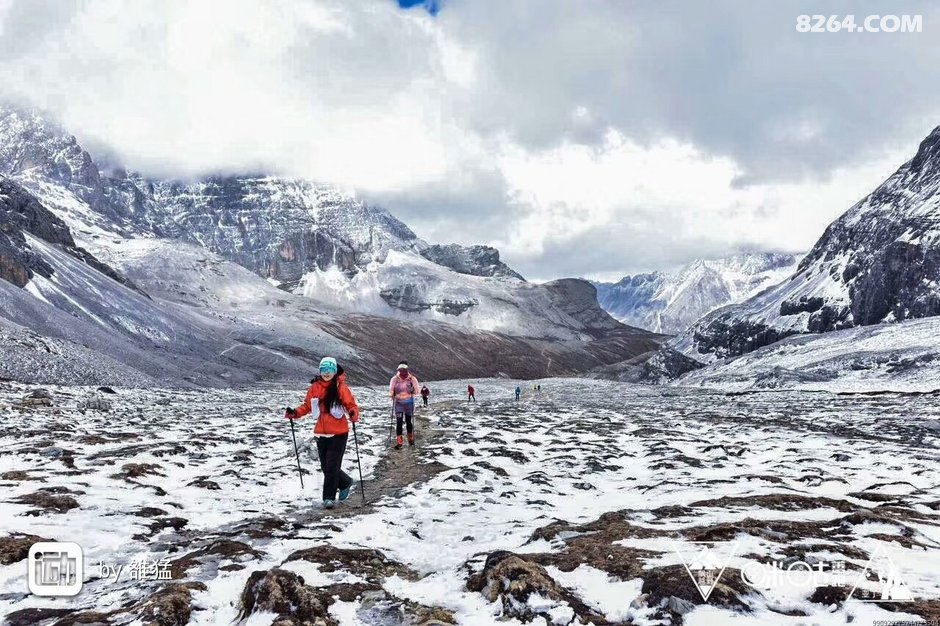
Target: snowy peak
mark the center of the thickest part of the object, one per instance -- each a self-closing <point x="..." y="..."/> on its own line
<point x="671" y="302"/>
<point x="927" y="159"/>
<point x="29" y="142"/>
<point x="280" y="228"/>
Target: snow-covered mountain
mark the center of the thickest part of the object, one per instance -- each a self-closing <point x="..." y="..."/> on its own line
<point x="879" y="262"/>
<point x="669" y="302"/>
<point x="240" y="278"/>
<point x="306" y="238"/>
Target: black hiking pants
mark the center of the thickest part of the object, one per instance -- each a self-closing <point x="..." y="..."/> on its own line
<point x="407" y="419"/>
<point x="404" y="411"/>
<point x="331" y="450"/>
<point x="425" y="398"/>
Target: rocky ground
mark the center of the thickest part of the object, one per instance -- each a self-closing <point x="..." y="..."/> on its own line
<point x="583" y="503"/>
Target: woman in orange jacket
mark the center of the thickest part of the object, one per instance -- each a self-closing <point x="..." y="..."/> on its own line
<point x="330" y="400"/>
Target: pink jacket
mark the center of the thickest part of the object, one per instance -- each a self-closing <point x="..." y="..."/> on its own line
<point x="400" y="389"/>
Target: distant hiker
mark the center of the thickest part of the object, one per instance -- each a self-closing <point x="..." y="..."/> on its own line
<point x="538" y="388"/>
<point x="518" y="392"/>
<point x="471" y="393"/>
<point x="425" y="394"/>
<point x="403" y="389"/>
<point x="330" y="400"/>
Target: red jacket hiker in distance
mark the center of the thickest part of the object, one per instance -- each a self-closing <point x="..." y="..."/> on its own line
<point x="327" y="423"/>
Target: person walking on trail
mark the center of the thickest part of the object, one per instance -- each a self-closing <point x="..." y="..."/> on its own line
<point x="332" y="403"/>
<point x="471" y="394"/>
<point x="425" y="394"/>
<point x="518" y="392"/>
<point x="403" y="388"/>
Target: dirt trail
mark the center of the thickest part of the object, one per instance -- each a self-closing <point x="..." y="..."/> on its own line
<point x="395" y="470"/>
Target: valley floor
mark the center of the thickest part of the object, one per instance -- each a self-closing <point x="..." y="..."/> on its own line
<point x="586" y="500"/>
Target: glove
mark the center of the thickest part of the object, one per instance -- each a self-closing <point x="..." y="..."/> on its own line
<point x="290" y="413"/>
<point x="354" y="417"/>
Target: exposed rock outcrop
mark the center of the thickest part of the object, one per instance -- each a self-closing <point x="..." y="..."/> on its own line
<point x="21" y="213"/>
<point x="472" y="260"/>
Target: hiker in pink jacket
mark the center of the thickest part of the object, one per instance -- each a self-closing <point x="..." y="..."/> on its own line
<point x="403" y="388"/>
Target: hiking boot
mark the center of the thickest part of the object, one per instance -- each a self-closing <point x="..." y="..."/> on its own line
<point x="328" y="504"/>
<point x="344" y="493"/>
<point x="399" y="442"/>
<point x="411" y="439"/>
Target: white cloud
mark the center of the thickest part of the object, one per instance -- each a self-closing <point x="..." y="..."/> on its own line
<point x="536" y="126"/>
<point x="670" y="192"/>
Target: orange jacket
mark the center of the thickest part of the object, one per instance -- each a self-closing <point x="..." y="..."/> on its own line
<point x="327" y="424"/>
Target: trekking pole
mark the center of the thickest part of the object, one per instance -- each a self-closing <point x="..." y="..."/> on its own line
<point x="297" y="452"/>
<point x="359" y="463"/>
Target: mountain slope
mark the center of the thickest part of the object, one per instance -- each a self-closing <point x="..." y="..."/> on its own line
<point x="902" y="357"/>
<point x="671" y="302"/>
<point x="879" y="262"/>
<point x="21" y="215"/>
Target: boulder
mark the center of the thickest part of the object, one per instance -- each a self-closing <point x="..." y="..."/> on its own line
<point x="285" y="594"/>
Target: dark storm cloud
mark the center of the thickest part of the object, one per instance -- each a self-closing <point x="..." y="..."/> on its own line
<point x="734" y="78"/>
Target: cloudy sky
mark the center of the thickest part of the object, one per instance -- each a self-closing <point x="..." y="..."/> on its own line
<point x="581" y="137"/>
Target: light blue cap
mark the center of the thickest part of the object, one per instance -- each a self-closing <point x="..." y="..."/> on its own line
<point x="328" y="365"/>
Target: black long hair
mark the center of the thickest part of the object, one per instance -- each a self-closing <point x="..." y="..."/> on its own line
<point x="331" y="398"/>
